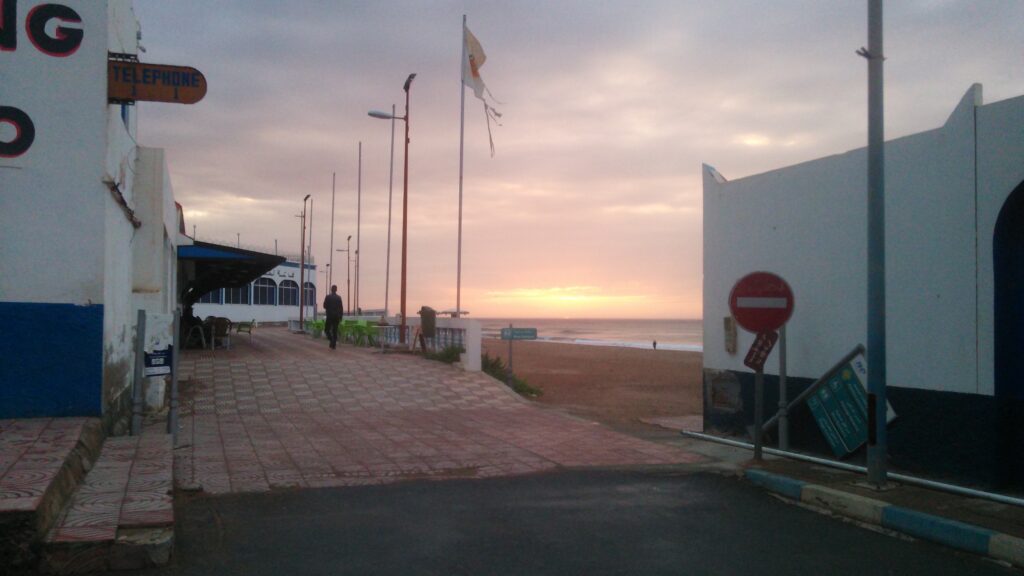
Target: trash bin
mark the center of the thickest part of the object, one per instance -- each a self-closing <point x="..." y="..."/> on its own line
<point x="428" y="322"/>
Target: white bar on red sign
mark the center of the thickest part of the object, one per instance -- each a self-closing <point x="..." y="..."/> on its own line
<point x="756" y="302"/>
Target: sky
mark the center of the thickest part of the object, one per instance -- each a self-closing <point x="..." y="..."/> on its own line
<point x="591" y="204"/>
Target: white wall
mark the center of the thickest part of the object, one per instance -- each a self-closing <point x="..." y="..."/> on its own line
<point x="807" y="223"/>
<point x="153" y="246"/>
<point x="52" y="209"/>
<point x="119" y="314"/>
<point x="1000" y="171"/>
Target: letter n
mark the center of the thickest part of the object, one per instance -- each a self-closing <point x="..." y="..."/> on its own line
<point x="8" y="25"/>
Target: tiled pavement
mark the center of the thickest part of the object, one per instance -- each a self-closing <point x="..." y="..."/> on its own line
<point x="122" y="515"/>
<point x="128" y="487"/>
<point x="285" y="411"/>
<point x="32" y="454"/>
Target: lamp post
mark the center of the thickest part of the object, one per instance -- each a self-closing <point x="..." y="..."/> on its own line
<point x="391" y="180"/>
<point x="348" y="278"/>
<point x="405" y="200"/>
<point x="302" y="267"/>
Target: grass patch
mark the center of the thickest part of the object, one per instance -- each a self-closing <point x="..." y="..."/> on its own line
<point x="449" y="355"/>
<point x="496" y="368"/>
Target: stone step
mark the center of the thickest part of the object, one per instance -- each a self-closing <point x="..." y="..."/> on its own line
<point x="122" y="516"/>
<point x="42" y="461"/>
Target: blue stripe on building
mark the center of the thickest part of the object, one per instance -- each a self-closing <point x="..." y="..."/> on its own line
<point x="51" y="360"/>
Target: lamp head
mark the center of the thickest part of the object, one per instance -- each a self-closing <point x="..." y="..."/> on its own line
<point x="306" y="198"/>
<point x="381" y="115"/>
<point x="408" y="81"/>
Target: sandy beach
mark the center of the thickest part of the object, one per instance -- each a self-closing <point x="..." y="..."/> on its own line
<point x="615" y="385"/>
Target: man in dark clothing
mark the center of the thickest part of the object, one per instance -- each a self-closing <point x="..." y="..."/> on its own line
<point x="334" y="308"/>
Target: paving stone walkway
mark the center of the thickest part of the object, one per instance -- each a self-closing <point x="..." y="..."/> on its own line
<point x="286" y="411"/>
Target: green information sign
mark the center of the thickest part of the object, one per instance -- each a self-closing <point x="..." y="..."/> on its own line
<point x="518" y="333"/>
<point x="840" y="408"/>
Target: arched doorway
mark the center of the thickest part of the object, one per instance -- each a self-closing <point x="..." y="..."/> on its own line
<point x="1008" y="262"/>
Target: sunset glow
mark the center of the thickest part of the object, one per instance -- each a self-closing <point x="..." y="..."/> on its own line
<point x="591" y="204"/>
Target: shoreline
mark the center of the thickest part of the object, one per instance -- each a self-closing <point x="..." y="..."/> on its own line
<point x="615" y="385"/>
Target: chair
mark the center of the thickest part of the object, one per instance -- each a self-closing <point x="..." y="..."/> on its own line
<point x="245" y="327"/>
<point x="222" y="332"/>
<point x="196" y="332"/>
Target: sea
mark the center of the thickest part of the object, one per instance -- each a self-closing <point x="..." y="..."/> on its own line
<point x="684" y="335"/>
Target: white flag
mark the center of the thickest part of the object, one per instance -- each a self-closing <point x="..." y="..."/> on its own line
<point x="474" y="60"/>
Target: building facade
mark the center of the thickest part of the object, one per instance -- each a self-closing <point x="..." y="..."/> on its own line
<point x="88" y="224"/>
<point x="273" y="297"/>
<point x="954" y="265"/>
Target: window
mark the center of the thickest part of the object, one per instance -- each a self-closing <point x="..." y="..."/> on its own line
<point x="289" y="292"/>
<point x="264" y="291"/>
<point x="237" y="295"/>
<point x="211" y="297"/>
<point x="310" y="294"/>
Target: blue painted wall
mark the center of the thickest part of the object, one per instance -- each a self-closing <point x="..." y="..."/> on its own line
<point x="51" y="360"/>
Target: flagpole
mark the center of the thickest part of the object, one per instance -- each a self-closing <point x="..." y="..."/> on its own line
<point x="462" y="134"/>
<point x="330" y="267"/>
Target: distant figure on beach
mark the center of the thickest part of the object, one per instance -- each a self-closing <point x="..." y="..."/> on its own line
<point x="655" y="344"/>
<point x="335" y="310"/>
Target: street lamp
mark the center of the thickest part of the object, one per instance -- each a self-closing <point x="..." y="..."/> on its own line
<point x="348" y="278"/>
<point x="391" y="179"/>
<point x="405" y="198"/>
<point x="302" y="267"/>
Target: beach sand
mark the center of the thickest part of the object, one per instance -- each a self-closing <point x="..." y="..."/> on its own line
<point x="614" y="385"/>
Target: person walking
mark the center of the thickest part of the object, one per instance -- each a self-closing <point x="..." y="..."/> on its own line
<point x="335" y="310"/>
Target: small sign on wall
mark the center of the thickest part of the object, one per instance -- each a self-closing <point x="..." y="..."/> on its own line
<point x="730" y="334"/>
<point x="159" y="342"/>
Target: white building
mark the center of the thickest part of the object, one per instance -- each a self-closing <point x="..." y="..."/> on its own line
<point x="954" y="210"/>
<point x="88" y="223"/>
<point x="273" y="297"/>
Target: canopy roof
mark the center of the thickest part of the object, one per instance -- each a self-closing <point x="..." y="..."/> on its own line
<point x="211" y="266"/>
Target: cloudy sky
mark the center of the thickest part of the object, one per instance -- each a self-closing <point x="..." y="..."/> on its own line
<point x="591" y="206"/>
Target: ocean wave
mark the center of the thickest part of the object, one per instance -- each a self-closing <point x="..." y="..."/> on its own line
<point x="625" y="344"/>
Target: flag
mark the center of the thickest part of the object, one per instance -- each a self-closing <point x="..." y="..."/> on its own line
<point x="474" y="58"/>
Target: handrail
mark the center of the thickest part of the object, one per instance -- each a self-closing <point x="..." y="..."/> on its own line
<point x="857" y="350"/>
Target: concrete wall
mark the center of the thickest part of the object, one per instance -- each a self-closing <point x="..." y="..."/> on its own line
<point x="807" y="224"/>
<point x="52" y="219"/>
<point x="69" y="216"/>
<point x="1000" y="171"/>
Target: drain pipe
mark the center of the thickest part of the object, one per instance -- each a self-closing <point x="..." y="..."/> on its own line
<point x="951" y="488"/>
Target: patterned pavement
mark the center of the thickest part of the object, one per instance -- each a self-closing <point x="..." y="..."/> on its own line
<point x="286" y="411"/>
<point x="32" y="453"/>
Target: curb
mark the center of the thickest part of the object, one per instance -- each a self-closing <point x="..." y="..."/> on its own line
<point x="959" y="535"/>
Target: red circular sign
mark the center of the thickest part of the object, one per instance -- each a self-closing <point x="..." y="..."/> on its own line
<point x="761" y="302"/>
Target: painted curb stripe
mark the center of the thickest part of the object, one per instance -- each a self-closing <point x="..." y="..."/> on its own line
<point x="949" y="532"/>
<point x="786" y="486"/>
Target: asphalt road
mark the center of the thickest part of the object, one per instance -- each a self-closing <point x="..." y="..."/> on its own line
<point x="611" y="522"/>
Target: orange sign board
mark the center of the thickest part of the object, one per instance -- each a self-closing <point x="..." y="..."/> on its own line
<point x="154" y="82"/>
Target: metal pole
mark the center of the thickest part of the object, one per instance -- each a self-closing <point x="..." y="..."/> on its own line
<point x="302" y="265"/>
<point x="818" y="383"/>
<point x="758" y="413"/>
<point x="348" y="272"/>
<point x="140" y="351"/>
<point x="391" y="182"/>
<point x="405" y="210"/>
<point x="923" y="482"/>
<point x="877" y="440"/>
<point x="508" y="376"/>
<point x="359" y="218"/>
<point x="330" y="264"/>
<point x="462" y="133"/>
<point x="309" y="250"/>
<point x="783" y="392"/>
<point x="172" y="415"/>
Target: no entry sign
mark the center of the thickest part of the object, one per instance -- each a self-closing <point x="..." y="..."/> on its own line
<point x="761" y="302"/>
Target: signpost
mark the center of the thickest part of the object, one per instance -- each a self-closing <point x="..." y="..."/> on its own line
<point x="511" y="334"/>
<point x="761" y="302"/>
<point x="129" y="81"/>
